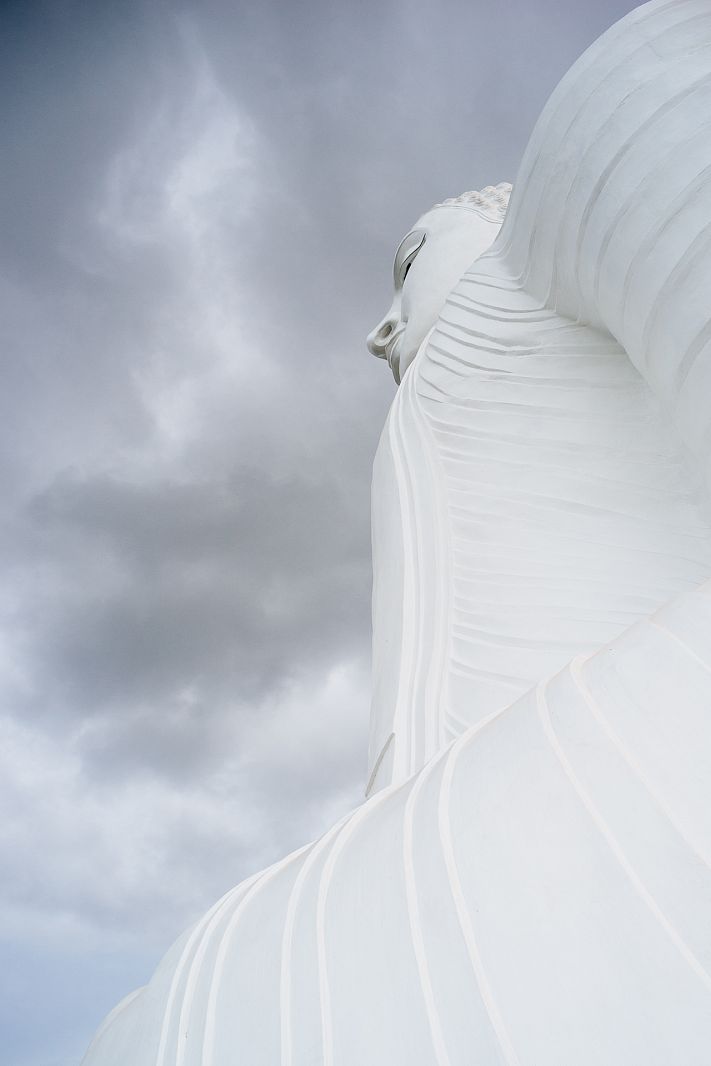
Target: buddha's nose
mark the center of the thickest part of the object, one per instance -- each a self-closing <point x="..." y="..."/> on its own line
<point x="378" y="340"/>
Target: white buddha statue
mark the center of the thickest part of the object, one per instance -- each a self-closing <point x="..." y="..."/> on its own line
<point x="530" y="881"/>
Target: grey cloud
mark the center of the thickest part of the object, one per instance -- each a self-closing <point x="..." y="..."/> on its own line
<point x="225" y="586"/>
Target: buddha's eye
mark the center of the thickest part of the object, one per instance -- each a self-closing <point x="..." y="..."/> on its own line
<point x="406" y="255"/>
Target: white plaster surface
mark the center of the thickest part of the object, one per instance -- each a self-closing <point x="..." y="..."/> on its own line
<point x="530" y="881"/>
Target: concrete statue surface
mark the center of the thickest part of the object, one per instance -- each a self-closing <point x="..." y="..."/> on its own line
<point x="529" y="881"/>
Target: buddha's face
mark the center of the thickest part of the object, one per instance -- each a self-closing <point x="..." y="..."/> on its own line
<point x="429" y="262"/>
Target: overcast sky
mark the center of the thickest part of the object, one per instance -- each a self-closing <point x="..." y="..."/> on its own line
<point x="200" y="204"/>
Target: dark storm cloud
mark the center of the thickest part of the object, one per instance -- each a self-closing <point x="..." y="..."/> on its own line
<point x="199" y="207"/>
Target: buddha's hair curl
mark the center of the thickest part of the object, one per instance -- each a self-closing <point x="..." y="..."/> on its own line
<point x="492" y="201"/>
